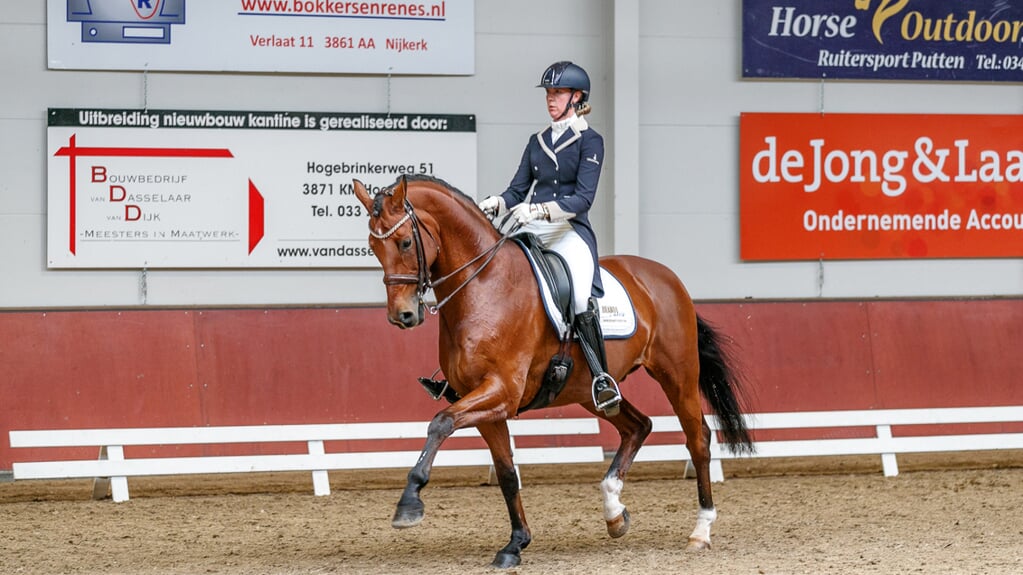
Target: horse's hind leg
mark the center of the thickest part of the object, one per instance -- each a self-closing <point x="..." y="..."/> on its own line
<point x="685" y="401"/>
<point x="633" y="427"/>
<point x="699" y="450"/>
<point x="690" y="414"/>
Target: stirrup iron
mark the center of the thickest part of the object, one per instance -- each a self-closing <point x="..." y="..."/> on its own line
<point x="438" y="388"/>
<point x="605" y="393"/>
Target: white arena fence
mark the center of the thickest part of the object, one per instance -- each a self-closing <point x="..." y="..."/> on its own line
<point x="111" y="470"/>
<point x="882" y="443"/>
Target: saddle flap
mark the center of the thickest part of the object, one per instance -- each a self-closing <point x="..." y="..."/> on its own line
<point x="553" y="270"/>
<point x="617" y="315"/>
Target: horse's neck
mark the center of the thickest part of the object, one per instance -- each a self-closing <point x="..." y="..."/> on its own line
<point x="462" y="238"/>
<point x="461" y="244"/>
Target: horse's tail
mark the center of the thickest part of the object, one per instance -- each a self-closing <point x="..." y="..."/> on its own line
<point x="721" y="384"/>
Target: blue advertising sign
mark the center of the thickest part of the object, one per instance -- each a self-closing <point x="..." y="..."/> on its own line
<point x="948" y="40"/>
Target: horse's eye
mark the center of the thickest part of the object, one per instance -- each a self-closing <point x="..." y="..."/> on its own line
<point x="406" y="243"/>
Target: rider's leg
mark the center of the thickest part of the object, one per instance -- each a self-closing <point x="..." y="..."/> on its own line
<point x="561" y="238"/>
<point x="605" y="390"/>
<point x="587" y="320"/>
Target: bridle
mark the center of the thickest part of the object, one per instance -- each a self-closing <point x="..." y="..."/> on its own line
<point x="421" y="279"/>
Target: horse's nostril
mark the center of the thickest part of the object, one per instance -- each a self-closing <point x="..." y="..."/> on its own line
<point x="407" y="318"/>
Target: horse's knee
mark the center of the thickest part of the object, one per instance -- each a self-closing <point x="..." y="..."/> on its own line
<point x="441" y="426"/>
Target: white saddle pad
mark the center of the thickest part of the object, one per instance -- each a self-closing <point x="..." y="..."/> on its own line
<point x="617" y="316"/>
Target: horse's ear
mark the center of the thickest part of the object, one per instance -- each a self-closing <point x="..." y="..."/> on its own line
<point x="363" y="195"/>
<point x="400" y="189"/>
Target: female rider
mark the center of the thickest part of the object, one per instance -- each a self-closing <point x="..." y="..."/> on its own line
<point x="561" y="164"/>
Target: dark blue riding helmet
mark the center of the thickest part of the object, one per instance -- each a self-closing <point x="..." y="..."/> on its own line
<point x="565" y="74"/>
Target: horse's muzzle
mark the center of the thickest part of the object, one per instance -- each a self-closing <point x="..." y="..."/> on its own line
<point x="406" y="319"/>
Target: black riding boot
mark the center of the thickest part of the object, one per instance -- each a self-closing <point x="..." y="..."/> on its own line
<point x="605" y="390"/>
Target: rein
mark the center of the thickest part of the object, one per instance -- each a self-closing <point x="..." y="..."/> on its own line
<point x="422" y="278"/>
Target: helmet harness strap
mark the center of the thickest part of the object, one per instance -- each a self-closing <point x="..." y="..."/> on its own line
<point x="568" y="106"/>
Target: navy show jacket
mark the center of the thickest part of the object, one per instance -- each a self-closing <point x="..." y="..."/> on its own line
<point x="565" y="172"/>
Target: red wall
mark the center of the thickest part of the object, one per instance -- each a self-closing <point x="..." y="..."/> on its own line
<point x="145" y="368"/>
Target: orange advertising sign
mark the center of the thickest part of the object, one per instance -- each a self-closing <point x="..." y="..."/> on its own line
<point x="880" y="186"/>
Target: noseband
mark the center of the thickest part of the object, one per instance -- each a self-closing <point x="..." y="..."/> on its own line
<point x="421" y="279"/>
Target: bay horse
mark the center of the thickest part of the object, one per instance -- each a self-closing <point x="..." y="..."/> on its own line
<point x="495" y="342"/>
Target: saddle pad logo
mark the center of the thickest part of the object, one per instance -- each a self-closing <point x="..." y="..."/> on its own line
<point x="126" y="21"/>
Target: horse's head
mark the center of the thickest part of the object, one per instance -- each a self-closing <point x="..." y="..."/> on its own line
<point x="397" y="238"/>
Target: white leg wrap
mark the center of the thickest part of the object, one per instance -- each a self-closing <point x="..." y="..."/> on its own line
<point x="612" y="489"/>
<point x="704" y="519"/>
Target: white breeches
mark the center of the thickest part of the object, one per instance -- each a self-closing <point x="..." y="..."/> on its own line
<point x="560" y="237"/>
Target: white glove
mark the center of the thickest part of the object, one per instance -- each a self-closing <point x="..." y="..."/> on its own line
<point x="527" y="212"/>
<point x="490" y="205"/>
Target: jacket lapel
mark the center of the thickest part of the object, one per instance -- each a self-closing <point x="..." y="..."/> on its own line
<point x="546" y="148"/>
<point x="576" y="129"/>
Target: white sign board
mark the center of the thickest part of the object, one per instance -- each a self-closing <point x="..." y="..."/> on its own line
<point x="218" y="189"/>
<point x="322" y="36"/>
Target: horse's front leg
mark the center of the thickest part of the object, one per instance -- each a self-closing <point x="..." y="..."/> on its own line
<point x="487" y="403"/>
<point x="410" y="507"/>
<point x="496" y="436"/>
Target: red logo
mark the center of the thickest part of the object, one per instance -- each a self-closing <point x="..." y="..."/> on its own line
<point x="145" y="9"/>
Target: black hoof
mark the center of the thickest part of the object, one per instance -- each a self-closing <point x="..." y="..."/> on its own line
<point x="407" y="516"/>
<point x="505" y="560"/>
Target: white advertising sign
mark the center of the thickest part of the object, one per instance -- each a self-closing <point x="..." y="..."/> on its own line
<point x="320" y="36"/>
<point x="227" y="189"/>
